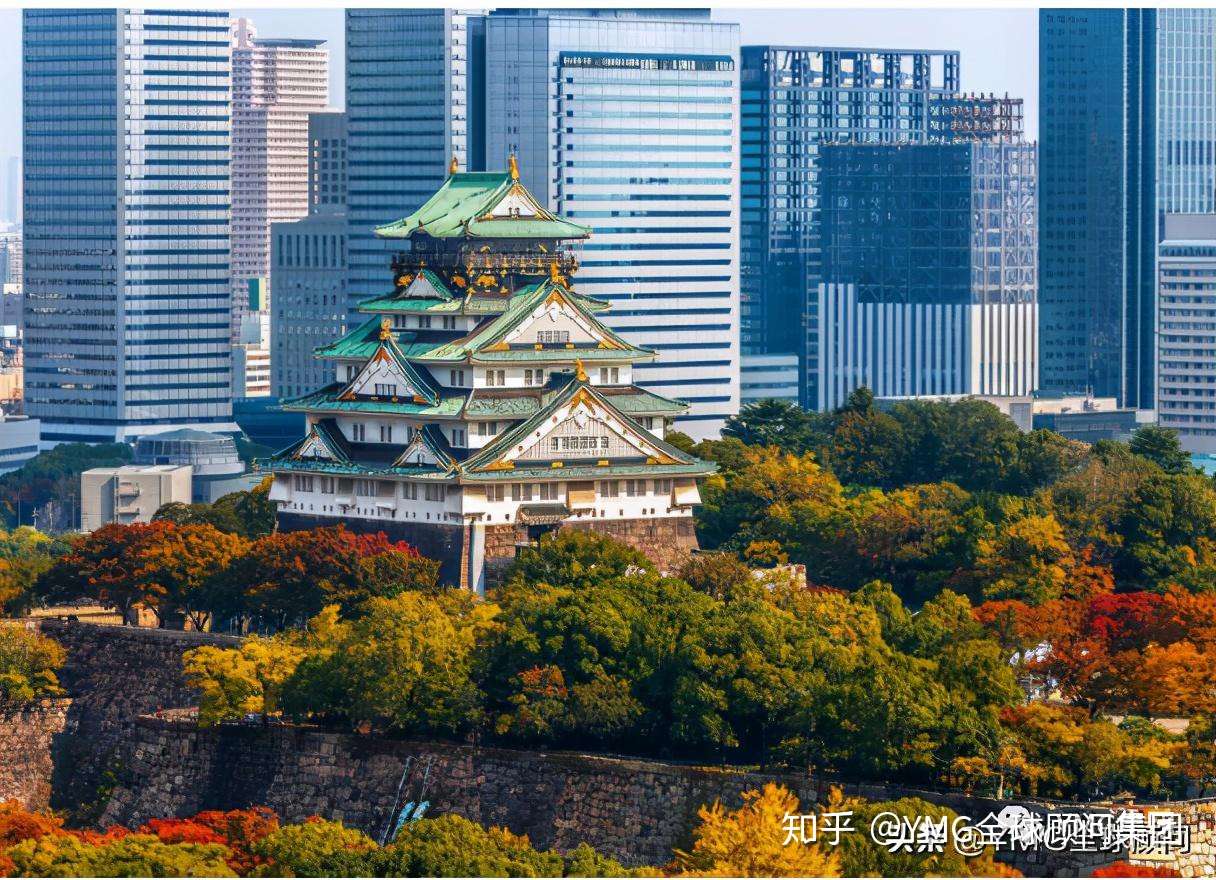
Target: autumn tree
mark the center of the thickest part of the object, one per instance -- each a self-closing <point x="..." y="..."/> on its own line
<point x="752" y="841"/>
<point x="28" y="663"/>
<point x="234" y="682"/>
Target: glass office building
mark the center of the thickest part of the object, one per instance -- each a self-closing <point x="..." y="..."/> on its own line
<point x="126" y="145"/>
<point x="625" y="121"/>
<point x="1097" y="218"/>
<point x="408" y="114"/>
<point x="795" y="98"/>
<point x="930" y="270"/>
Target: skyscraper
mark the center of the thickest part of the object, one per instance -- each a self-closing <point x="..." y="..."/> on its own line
<point x="929" y="261"/>
<point x="276" y="84"/>
<point x="12" y="190"/>
<point x="625" y="121"/>
<point x="1098" y="224"/>
<point x="126" y="223"/>
<point x="794" y="99"/>
<point x="408" y="115"/>
<point x="307" y="301"/>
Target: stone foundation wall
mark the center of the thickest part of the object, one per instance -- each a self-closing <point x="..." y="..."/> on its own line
<point x="637" y="811"/>
<point x="667" y="541"/>
<point x="28" y="737"/>
<point x="113" y="674"/>
<point x="442" y="541"/>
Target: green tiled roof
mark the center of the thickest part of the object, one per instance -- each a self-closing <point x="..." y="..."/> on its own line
<point x="327" y="400"/>
<point x="394" y="303"/>
<point x="585" y="472"/>
<point x="513" y="403"/>
<point x="353" y="468"/>
<point x="361" y="343"/>
<point x="458" y="208"/>
<point x="473" y="346"/>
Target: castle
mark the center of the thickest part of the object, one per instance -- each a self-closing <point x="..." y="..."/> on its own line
<point x="483" y="403"/>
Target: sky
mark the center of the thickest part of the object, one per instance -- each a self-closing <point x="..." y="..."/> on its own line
<point x="999" y="46"/>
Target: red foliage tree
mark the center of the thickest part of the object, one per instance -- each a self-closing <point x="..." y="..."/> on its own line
<point x="1124" y="869"/>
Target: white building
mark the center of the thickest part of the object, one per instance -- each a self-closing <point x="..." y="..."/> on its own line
<point x="251" y="356"/>
<point x="131" y="493"/>
<point x="1186" y="326"/>
<point x="276" y="84"/>
<point x="18" y="441"/>
<point x="924" y="349"/>
<point x="627" y="121"/>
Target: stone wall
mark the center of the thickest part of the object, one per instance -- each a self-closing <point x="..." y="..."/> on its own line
<point x="28" y="737"/>
<point x="113" y="674"/>
<point x="637" y="811"/>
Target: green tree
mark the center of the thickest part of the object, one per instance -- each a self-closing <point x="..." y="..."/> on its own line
<point x="24" y="555"/>
<point x="1162" y="447"/>
<point x="233" y="682"/>
<point x="316" y="848"/>
<point x="774" y="423"/>
<point x="135" y="855"/>
<point x="28" y="663"/>
<point x="54" y="475"/>
<point x="574" y="558"/>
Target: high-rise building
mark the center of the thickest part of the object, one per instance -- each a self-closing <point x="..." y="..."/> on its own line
<point x="408" y="103"/>
<point x="12" y="259"/>
<point x="1098" y="163"/>
<point x="626" y="121"/>
<point x="1186" y="399"/>
<point x="12" y="191"/>
<point x="975" y="117"/>
<point x="308" y="301"/>
<point x="929" y="259"/>
<point x="795" y="98"/>
<point x="276" y="84"/>
<point x="126" y="147"/>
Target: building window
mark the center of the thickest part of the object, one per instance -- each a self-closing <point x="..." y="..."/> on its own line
<point x="386" y="433"/>
<point x="449" y="322"/>
<point x="487" y="429"/>
<point x="410" y="491"/>
<point x="327" y="485"/>
<point x="552" y="337"/>
<point x="303" y="483"/>
<point x="358" y="432"/>
<point x="610" y="489"/>
<point x="496" y="493"/>
<point x="458" y="437"/>
<point x="384" y="389"/>
<point x="522" y="491"/>
<point x="578" y="444"/>
<point x="610" y="375"/>
<point x="424" y="321"/>
<point x="435" y="493"/>
<point x="496" y="378"/>
<point x="550" y="491"/>
<point x="365" y="488"/>
<point x="662" y="487"/>
<point x="635" y="488"/>
<point x="534" y="377"/>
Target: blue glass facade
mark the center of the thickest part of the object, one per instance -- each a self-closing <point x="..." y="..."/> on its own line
<point x="126" y="144"/>
<point x="1097" y="218"/>
<point x="625" y="121"/>
<point x="408" y="114"/>
<point x="795" y="98"/>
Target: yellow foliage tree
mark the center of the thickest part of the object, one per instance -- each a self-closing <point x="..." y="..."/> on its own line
<point x="750" y="841"/>
<point x="233" y="682"/>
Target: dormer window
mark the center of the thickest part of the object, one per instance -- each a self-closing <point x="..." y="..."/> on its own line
<point x="384" y="389"/>
<point x="552" y="337"/>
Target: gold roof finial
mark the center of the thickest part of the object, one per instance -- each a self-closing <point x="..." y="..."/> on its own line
<point x="554" y="275"/>
<point x="513" y="167"/>
<point x="453" y="167"/>
<point x="579" y="372"/>
<point x="386" y="329"/>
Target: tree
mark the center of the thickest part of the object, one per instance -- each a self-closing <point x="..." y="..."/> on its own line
<point x="404" y="663"/>
<point x="315" y="848"/>
<point x="238" y="830"/>
<point x="249" y="514"/>
<point x="54" y="475"/>
<point x="28" y="663"/>
<point x="751" y="841"/>
<point x="720" y="575"/>
<point x="179" y="566"/>
<point x="25" y="554"/>
<point x="134" y="855"/>
<point x="18" y="824"/>
<point x="773" y="423"/>
<point x="574" y="558"/>
<point x="234" y="682"/>
<point x="1161" y="446"/>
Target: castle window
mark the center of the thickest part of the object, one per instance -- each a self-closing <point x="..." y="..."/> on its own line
<point x="495" y="493"/>
<point x="385" y="389"/>
<point x="610" y="375"/>
<point x="662" y="487"/>
<point x="449" y="322"/>
<point x="550" y="492"/>
<point x="435" y="493"/>
<point x="458" y="437"/>
<point x="456" y="377"/>
<point x="410" y="491"/>
<point x="358" y="432"/>
<point x="635" y="488"/>
<point x="327" y="485"/>
<point x="487" y="429"/>
<point x="534" y="377"/>
<point x="552" y="337"/>
<point x="424" y="321"/>
<point x="496" y="378"/>
<point x="578" y="444"/>
<point x="365" y="488"/>
<point x="610" y="489"/>
<point x="303" y="483"/>
<point x="386" y="433"/>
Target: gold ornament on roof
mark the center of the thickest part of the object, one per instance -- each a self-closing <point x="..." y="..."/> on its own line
<point x="453" y="166"/>
<point x="386" y="329"/>
<point x="579" y="372"/>
<point x="513" y="167"/>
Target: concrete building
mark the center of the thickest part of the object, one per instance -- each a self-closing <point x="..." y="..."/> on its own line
<point x="308" y="300"/>
<point x="251" y="356"/>
<point x="19" y="437"/>
<point x="1186" y="396"/>
<point x="794" y="99"/>
<point x="12" y="259"/>
<point x="768" y="377"/>
<point x="930" y="257"/>
<point x="131" y="493"/>
<point x="215" y="465"/>
<point x="409" y="79"/>
<point x="276" y="84"/>
<point x="1081" y="417"/>
<point x="626" y="120"/>
<point x="126" y="142"/>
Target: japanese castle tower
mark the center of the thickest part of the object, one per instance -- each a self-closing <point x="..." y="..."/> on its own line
<point x="483" y="402"/>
